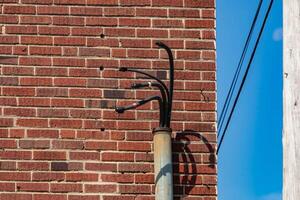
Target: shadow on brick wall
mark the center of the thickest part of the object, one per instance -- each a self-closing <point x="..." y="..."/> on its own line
<point x="194" y="158"/>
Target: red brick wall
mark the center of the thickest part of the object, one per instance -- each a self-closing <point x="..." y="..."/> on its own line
<point x="60" y="137"/>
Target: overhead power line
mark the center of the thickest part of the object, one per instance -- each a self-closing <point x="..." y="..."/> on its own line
<point x="238" y="70"/>
<point x="245" y="75"/>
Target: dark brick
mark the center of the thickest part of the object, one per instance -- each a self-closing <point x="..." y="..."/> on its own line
<point x="59" y="166"/>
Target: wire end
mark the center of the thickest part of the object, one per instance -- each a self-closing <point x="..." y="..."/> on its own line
<point x="123" y="69"/>
<point x="120" y="110"/>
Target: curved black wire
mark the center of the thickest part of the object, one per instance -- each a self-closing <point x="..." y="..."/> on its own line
<point x="124" y="69"/>
<point x="245" y="75"/>
<point x="171" y="81"/>
<point x="142" y="102"/>
<point x="238" y="70"/>
<point x="163" y="95"/>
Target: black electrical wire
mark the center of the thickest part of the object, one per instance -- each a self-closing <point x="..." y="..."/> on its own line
<point x="238" y="70"/>
<point x="124" y="69"/>
<point x="245" y="75"/>
<point x="163" y="95"/>
<point x="171" y="80"/>
<point x="142" y="102"/>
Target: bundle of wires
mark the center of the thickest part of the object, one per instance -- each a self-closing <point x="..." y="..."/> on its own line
<point x="165" y="98"/>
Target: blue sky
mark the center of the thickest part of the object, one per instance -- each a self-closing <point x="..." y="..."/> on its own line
<point x="250" y="160"/>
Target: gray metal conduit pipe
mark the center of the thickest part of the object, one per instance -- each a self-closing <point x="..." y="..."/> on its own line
<point x="163" y="170"/>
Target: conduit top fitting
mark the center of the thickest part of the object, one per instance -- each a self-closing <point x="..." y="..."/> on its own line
<point x="165" y="98"/>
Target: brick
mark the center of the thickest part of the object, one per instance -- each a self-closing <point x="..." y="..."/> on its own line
<point x="8" y="144"/>
<point x="151" y="12"/>
<point x="91" y="31"/>
<point x="84" y="197"/>
<point x="134" y="22"/>
<point x="46" y="30"/>
<point x="134" y="146"/>
<point x="167" y="23"/>
<point x="8" y="165"/>
<point x="135" y="189"/>
<point x="185" y="34"/>
<point x="135" y="3"/>
<point x="123" y="197"/>
<point x="37" y="2"/>
<point x="75" y="103"/>
<point x="100" y="188"/>
<point x="33" y="187"/>
<point x="130" y="125"/>
<point x="69" y="41"/>
<point x="15" y="155"/>
<point x="56" y="123"/>
<point x="36" y="81"/>
<point x="20" y="50"/>
<point x="103" y="2"/>
<point x="69" y="2"/>
<point x="134" y="43"/>
<point x="110" y="167"/>
<point x="59" y="166"/>
<point x="122" y="11"/>
<point x="47" y="176"/>
<point x="49" y="197"/>
<point x="8" y="187"/>
<point x="118" y="178"/>
<point x="121" y="157"/>
<point x="9" y="81"/>
<point x="67" y="144"/>
<point x="78" y="177"/>
<point x="93" y="93"/>
<point x="65" y="187"/>
<point x="94" y="52"/>
<point x="9" y="19"/>
<point x="9" y="39"/>
<point x="19" y="9"/>
<point x="42" y="133"/>
<point x="16" y="196"/>
<point x="100" y="145"/>
<point x="21" y="30"/>
<point x="84" y="156"/>
<point x="68" y="21"/>
<point x="87" y="11"/>
<point x="52" y="10"/>
<point x="184" y="13"/>
<point x="43" y="20"/>
<point x="38" y="40"/>
<point x="199" y="23"/>
<point x="45" y="51"/>
<point x="199" y="4"/>
<point x="11" y="91"/>
<point x="101" y="21"/>
<point x="34" y="144"/>
<point x="32" y="123"/>
<point x="52" y="92"/>
<point x="35" y="61"/>
<point x="135" y="168"/>
<point x="144" y="178"/>
<point x="142" y="53"/>
<point x="14" y="176"/>
<point x="22" y="112"/>
<point x="84" y="72"/>
<point x="49" y="155"/>
<point x="152" y="33"/>
<point x="33" y="166"/>
<point x="53" y="71"/>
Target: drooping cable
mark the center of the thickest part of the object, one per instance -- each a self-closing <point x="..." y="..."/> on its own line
<point x="142" y="102"/>
<point x="171" y="79"/>
<point x="238" y="70"/>
<point x="163" y="95"/>
<point x="245" y="75"/>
